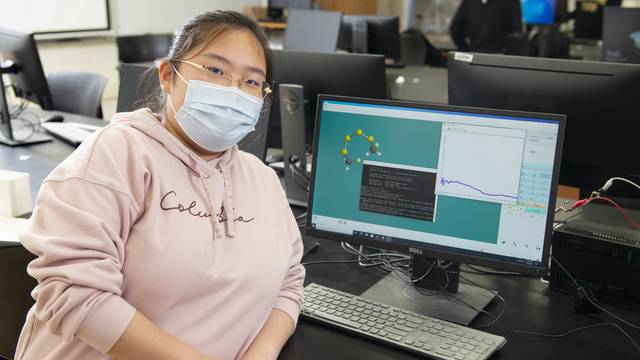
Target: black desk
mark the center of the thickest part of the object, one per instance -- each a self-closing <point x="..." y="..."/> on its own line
<point x="532" y="306"/>
<point x="40" y="159"/>
<point x="418" y="83"/>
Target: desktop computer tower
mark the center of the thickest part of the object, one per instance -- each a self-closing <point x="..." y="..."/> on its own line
<point x="602" y="252"/>
<point x="291" y="97"/>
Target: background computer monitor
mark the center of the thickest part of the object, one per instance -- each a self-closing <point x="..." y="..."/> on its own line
<point x="29" y="81"/>
<point x="538" y="12"/>
<point x="621" y="35"/>
<point x="599" y="99"/>
<point x="22" y="67"/>
<point x="383" y="35"/>
<point x="471" y="185"/>
<point x="275" y="8"/>
<point x="312" y="30"/>
<point x="323" y="73"/>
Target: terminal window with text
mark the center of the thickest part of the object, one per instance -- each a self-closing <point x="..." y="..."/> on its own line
<point x="474" y="184"/>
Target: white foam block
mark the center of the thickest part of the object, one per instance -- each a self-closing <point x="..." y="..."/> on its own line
<point x="10" y="229"/>
<point x="15" y="193"/>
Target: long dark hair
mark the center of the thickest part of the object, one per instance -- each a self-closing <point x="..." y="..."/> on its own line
<point x="199" y="30"/>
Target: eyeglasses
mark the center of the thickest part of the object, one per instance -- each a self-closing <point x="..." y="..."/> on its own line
<point x="253" y="87"/>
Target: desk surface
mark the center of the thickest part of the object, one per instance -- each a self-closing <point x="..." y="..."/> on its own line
<point x="418" y="83"/>
<point x="40" y="159"/>
<point x="531" y="306"/>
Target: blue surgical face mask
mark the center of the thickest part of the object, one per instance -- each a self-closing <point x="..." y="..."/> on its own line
<point x="216" y="117"/>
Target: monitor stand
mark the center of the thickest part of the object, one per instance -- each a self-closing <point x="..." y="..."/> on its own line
<point x="431" y="298"/>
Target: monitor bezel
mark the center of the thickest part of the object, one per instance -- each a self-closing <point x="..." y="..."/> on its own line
<point x="446" y="253"/>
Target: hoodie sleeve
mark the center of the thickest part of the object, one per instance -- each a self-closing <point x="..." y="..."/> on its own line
<point x="78" y="232"/>
<point x="291" y="294"/>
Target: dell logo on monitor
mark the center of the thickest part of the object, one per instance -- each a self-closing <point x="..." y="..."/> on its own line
<point x="415" y="251"/>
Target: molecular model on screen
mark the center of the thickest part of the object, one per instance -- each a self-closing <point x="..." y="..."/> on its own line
<point x="374" y="147"/>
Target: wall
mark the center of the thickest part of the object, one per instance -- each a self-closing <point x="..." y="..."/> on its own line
<point x="161" y="16"/>
<point x="128" y="17"/>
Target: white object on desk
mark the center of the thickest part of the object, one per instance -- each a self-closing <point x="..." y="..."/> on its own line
<point x="10" y="228"/>
<point x="15" y="193"/>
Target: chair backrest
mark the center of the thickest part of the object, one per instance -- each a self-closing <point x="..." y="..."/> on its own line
<point x="130" y="92"/>
<point x="143" y="48"/>
<point x="77" y="92"/>
<point x="413" y="47"/>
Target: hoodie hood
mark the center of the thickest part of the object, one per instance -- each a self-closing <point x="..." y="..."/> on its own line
<point x="149" y="123"/>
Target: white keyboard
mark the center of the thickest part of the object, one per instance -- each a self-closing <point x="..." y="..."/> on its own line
<point x="71" y="132"/>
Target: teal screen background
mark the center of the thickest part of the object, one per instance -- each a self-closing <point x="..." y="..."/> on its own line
<point x="402" y="141"/>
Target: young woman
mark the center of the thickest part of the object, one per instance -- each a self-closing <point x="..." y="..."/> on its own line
<point x="158" y="238"/>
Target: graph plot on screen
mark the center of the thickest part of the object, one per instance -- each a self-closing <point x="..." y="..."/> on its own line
<point x="490" y="172"/>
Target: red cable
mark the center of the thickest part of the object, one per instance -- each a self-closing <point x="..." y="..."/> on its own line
<point x="620" y="209"/>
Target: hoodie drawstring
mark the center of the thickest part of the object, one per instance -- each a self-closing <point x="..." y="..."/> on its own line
<point x="213" y="217"/>
<point x="228" y="203"/>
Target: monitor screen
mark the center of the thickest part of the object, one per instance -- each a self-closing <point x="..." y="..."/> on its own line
<point x="538" y="12"/>
<point x="473" y="185"/>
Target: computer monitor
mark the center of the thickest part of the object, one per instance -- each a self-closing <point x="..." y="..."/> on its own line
<point x="621" y="35"/>
<point x="312" y="30"/>
<point x="21" y="63"/>
<point x="382" y="35"/>
<point x="275" y="8"/>
<point x="471" y="185"/>
<point x="322" y="73"/>
<point x="599" y="99"/>
<point x="538" y="12"/>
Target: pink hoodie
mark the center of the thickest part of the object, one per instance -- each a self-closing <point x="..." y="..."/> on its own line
<point x="134" y="220"/>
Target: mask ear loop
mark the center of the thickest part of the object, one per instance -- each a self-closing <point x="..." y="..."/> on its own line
<point x="175" y="113"/>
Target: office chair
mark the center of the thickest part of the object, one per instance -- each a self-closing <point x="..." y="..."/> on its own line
<point x="143" y="48"/>
<point x="77" y="92"/>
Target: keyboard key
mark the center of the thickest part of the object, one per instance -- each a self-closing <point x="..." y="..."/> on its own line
<point x="445" y="352"/>
<point x="403" y="328"/>
<point x="459" y="357"/>
<point x="337" y="319"/>
<point x="394" y="337"/>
